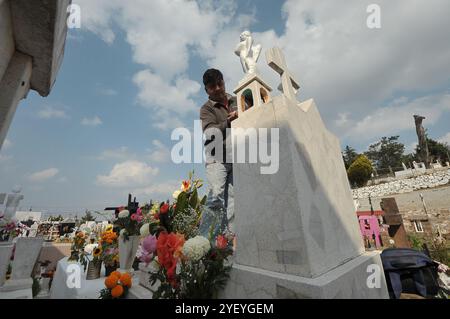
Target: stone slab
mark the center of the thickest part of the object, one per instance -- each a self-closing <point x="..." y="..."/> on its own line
<point x="347" y="281"/>
<point x="300" y="220"/>
<point x="25" y="256"/>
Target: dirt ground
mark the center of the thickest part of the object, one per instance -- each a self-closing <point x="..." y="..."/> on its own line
<point x="435" y="199"/>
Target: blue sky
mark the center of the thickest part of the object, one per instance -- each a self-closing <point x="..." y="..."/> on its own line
<point x="133" y="72"/>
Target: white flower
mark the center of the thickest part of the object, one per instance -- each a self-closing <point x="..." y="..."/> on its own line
<point x="195" y="248"/>
<point x="89" y="248"/>
<point x="175" y="194"/>
<point x="145" y="230"/>
<point x="124" y="213"/>
<point x="122" y="232"/>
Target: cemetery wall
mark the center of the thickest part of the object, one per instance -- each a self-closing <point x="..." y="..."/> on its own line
<point x="432" y="180"/>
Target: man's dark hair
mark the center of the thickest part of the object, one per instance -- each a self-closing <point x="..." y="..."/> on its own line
<point x="212" y="76"/>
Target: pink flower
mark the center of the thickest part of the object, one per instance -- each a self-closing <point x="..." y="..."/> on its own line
<point x="133" y="217"/>
<point x="146" y="258"/>
<point x="139" y="211"/>
<point x="149" y="244"/>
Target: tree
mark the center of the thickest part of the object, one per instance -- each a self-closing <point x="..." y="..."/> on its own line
<point x="87" y="217"/>
<point x="55" y="219"/>
<point x="360" y="171"/>
<point x="386" y="153"/>
<point x="349" y="155"/>
<point x="438" y="150"/>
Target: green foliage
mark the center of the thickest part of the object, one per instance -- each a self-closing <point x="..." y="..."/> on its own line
<point x="87" y="217"/>
<point x="55" y="219"/>
<point x="185" y="222"/>
<point x="388" y="152"/>
<point x="438" y="150"/>
<point x="349" y="155"/>
<point x="416" y="242"/>
<point x="360" y="171"/>
<point x="36" y="287"/>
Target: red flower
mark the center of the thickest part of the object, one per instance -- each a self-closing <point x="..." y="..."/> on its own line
<point x="168" y="247"/>
<point x="164" y="208"/>
<point x="221" y="242"/>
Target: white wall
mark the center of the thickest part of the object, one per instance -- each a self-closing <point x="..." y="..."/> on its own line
<point x="6" y="36"/>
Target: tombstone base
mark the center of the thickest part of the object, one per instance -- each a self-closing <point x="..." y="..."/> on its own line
<point x="17" y="294"/>
<point x="347" y="281"/>
<point x="17" y="289"/>
<point x="17" y="284"/>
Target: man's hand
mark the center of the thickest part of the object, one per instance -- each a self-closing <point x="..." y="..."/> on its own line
<point x="232" y="116"/>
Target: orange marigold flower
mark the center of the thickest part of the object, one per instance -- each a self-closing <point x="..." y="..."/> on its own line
<point x="116" y="273"/>
<point x="111" y="282"/>
<point x="117" y="291"/>
<point x="125" y="279"/>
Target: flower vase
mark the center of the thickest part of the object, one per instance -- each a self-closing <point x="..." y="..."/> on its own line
<point x="127" y="252"/>
<point x="110" y="268"/>
<point x="93" y="270"/>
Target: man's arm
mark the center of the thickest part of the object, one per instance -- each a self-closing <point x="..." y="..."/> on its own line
<point x="209" y="120"/>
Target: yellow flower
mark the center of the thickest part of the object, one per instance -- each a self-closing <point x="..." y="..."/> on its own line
<point x="97" y="252"/>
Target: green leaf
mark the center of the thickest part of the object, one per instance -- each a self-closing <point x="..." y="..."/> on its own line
<point x="194" y="199"/>
<point x="203" y="201"/>
<point x="181" y="202"/>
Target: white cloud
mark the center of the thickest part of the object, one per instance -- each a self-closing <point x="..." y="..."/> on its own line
<point x="410" y="148"/>
<point x="107" y="92"/>
<point x="155" y="93"/>
<point x="342" y="120"/>
<point x="164" y="36"/>
<point x="49" y="112"/>
<point x="4" y="158"/>
<point x="445" y="138"/>
<point x="345" y="66"/>
<point x="6" y="144"/>
<point x="43" y="175"/>
<point x="95" y="121"/>
<point x="160" y="152"/>
<point x="62" y="179"/>
<point x="158" y="191"/>
<point x="398" y="116"/>
<point x="121" y="153"/>
<point x="130" y="173"/>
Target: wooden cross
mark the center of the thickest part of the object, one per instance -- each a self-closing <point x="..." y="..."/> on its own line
<point x="275" y="59"/>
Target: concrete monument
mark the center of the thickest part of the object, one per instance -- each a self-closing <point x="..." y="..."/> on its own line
<point x="297" y="233"/>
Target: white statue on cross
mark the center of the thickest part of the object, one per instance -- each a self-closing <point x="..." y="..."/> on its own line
<point x="289" y="85"/>
<point x="247" y="52"/>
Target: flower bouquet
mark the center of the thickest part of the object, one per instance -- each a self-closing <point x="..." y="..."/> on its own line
<point x="77" y="252"/>
<point x="109" y="250"/>
<point x="185" y="264"/>
<point x="117" y="285"/>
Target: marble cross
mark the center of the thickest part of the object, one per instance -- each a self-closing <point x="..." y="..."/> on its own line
<point x="275" y="59"/>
